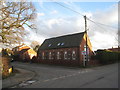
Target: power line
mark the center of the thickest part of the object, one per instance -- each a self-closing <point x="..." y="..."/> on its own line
<point x="69" y="9"/>
<point x="101" y="23"/>
<point x="84" y="15"/>
<point x="96" y="23"/>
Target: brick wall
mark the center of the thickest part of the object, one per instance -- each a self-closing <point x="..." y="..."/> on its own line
<point x="61" y="60"/>
<point x="5" y="66"/>
<point x="54" y="60"/>
<point x="81" y="56"/>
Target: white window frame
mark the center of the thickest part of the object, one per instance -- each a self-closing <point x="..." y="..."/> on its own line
<point x="50" y="55"/>
<point x="43" y="55"/>
<point x="58" y="55"/>
<point x="73" y="55"/>
<point x="65" y="55"/>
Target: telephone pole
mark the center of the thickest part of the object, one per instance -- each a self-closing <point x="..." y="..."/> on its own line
<point x="86" y="40"/>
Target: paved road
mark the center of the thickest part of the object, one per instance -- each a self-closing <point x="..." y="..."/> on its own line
<point x="48" y="76"/>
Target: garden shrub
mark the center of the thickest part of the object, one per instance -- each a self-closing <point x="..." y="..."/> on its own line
<point x="107" y="56"/>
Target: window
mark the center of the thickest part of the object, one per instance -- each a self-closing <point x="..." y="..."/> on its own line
<point x="43" y="55"/>
<point x="58" y="44"/>
<point x="47" y="55"/>
<point x="69" y="54"/>
<point x="49" y="45"/>
<point x="58" y="55"/>
<point x="50" y="55"/>
<point x="62" y="44"/>
<point x="65" y="55"/>
<point x="84" y="47"/>
<point x="53" y="55"/>
<point x="73" y="55"/>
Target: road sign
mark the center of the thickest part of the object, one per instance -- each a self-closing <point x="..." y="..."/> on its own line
<point x="83" y="52"/>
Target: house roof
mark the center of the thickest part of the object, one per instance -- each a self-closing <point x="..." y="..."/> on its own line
<point x="21" y="47"/>
<point x="66" y="41"/>
<point x="24" y="50"/>
<point x="29" y="50"/>
<point x="24" y="47"/>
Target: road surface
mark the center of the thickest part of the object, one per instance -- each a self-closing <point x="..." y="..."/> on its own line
<point x="49" y="76"/>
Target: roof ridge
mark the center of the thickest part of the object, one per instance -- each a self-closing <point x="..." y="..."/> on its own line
<point x="69" y="40"/>
<point x="65" y="35"/>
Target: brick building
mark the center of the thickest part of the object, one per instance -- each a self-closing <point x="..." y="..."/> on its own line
<point x="117" y="49"/>
<point x="24" y="52"/>
<point x="68" y="50"/>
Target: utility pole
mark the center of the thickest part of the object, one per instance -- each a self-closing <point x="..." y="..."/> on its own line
<point x="86" y="40"/>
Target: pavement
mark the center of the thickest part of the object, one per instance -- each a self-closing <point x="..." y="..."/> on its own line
<point x="17" y="79"/>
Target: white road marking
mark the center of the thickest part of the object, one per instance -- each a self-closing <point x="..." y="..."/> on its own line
<point x="65" y="76"/>
<point x="30" y="82"/>
<point x="46" y="80"/>
<point x="69" y="75"/>
<point x="22" y="84"/>
<point x="14" y="87"/>
<point x="55" y="78"/>
<point x="62" y="77"/>
<point x="74" y="74"/>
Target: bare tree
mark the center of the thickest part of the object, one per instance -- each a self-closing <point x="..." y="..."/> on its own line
<point x="14" y="17"/>
<point x="34" y="44"/>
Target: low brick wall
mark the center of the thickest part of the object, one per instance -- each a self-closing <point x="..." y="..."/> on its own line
<point x="58" y="62"/>
<point x="5" y="66"/>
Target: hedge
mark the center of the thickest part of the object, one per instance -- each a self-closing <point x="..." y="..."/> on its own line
<point x="107" y="56"/>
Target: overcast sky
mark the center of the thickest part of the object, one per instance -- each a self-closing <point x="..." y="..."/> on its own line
<point x="54" y="20"/>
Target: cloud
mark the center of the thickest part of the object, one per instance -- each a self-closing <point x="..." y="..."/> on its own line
<point x="40" y="14"/>
<point x="32" y="35"/>
<point x="54" y="12"/>
<point x="109" y="16"/>
<point x="103" y="36"/>
<point x="59" y="26"/>
<point x="40" y="3"/>
<point x="100" y="36"/>
<point x="103" y="41"/>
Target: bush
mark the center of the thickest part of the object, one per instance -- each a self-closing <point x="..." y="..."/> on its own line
<point x="107" y="56"/>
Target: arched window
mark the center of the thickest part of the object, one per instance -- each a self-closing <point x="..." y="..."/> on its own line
<point x="43" y="55"/>
<point x="53" y="55"/>
<point x="69" y="54"/>
<point x="65" y="55"/>
<point x="73" y="55"/>
<point x="58" y="55"/>
<point x="50" y="55"/>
